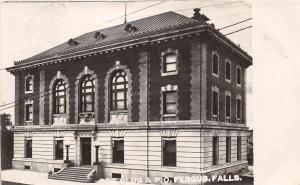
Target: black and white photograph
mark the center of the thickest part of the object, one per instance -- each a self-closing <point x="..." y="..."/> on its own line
<point x="141" y="92"/>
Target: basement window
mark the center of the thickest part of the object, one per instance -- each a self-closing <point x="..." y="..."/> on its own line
<point x="116" y="176"/>
<point x="26" y="167"/>
<point x="56" y="169"/>
<point x="169" y="151"/>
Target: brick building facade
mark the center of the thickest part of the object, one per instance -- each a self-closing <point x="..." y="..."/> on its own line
<point x="160" y="96"/>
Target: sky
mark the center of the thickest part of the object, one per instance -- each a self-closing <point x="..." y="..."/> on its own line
<point x="35" y="27"/>
<point x="273" y="81"/>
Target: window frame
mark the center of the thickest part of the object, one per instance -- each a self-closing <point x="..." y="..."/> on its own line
<point x="227" y="107"/>
<point x="114" y="91"/>
<point x="113" y="155"/>
<point x="164" y="90"/>
<point x="83" y="94"/>
<point x="57" y="97"/>
<point x="164" y="63"/>
<point x="238" y="109"/>
<point x="164" y="162"/>
<point x="28" y="112"/>
<point x="215" y="117"/>
<point x="239" y="148"/>
<point x="214" y="53"/>
<point x="215" y="150"/>
<point x="227" y="61"/>
<point x="56" y="140"/>
<point x="228" y="149"/>
<point x="165" y="103"/>
<point x="31" y="77"/>
<point x="28" y="153"/>
<point x="239" y="75"/>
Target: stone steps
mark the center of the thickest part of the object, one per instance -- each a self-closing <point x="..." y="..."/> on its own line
<point x="76" y="174"/>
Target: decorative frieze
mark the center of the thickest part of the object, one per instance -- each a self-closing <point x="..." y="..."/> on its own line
<point x="117" y="133"/>
<point x="169" y="133"/>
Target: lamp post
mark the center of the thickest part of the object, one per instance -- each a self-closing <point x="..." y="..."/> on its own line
<point x="67" y="152"/>
<point x="97" y="157"/>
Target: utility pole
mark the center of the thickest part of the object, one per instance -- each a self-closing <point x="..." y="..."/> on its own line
<point x="125" y="21"/>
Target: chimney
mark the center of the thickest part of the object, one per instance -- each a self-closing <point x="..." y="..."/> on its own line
<point x="199" y="17"/>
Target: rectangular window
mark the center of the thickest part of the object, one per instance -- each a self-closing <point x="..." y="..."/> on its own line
<point x="28" y="112"/>
<point x="170" y="62"/>
<point x="170" y="102"/>
<point x="118" y="151"/>
<point x="215" y="150"/>
<point x="228" y="71"/>
<point x="28" y="148"/>
<point x="59" y="149"/>
<point x="238" y="109"/>
<point x="29" y="84"/>
<point x="227" y="107"/>
<point x="239" y="148"/>
<point x="228" y="149"/>
<point x="215" y="103"/>
<point x="238" y="75"/>
<point x="169" y="152"/>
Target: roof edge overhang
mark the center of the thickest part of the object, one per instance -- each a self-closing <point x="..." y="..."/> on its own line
<point x="181" y="33"/>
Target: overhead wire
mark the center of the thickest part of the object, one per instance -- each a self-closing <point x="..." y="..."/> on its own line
<point x="141" y="10"/>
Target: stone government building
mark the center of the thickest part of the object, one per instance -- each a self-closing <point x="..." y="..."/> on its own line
<point x="160" y="96"/>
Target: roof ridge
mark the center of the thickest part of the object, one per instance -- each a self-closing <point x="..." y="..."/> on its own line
<point x="145" y="26"/>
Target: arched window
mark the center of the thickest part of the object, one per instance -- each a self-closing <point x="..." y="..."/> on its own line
<point x="87" y="92"/>
<point x="119" y="87"/>
<point x="215" y="64"/>
<point x="59" y="99"/>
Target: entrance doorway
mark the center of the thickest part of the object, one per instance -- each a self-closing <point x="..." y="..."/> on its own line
<point x="85" y="151"/>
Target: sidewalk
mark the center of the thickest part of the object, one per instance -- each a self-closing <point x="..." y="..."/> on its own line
<point x="35" y="178"/>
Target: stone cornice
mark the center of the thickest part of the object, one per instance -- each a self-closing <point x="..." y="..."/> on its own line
<point x="191" y="124"/>
<point x="134" y="43"/>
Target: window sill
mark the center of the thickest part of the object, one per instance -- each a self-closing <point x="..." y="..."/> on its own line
<point x="169" y="115"/>
<point x="215" y="75"/>
<point x="28" y="92"/>
<point x="215" y="118"/>
<point x="169" y="166"/>
<point x="239" y="85"/>
<point x="118" y="164"/>
<point x="59" y="115"/>
<point x="118" y="111"/>
<point x="228" y="80"/>
<point x="169" y="73"/>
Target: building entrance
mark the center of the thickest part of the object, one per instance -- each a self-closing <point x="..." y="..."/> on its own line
<point x="85" y="151"/>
